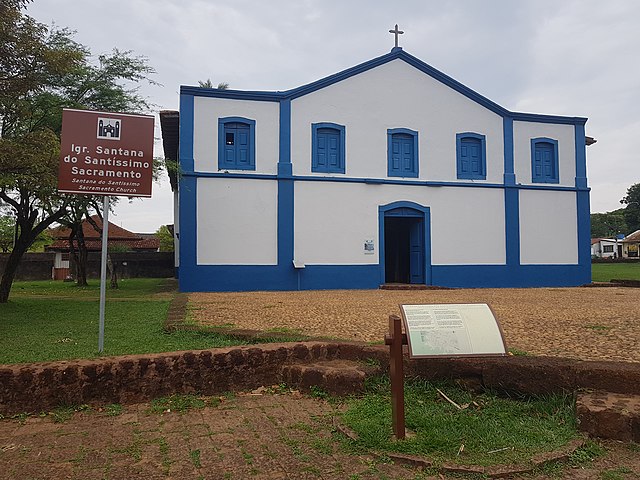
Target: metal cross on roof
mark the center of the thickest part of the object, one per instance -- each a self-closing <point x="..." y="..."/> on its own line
<point x="396" y="32"/>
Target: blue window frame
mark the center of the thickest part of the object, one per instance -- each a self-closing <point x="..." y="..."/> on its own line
<point x="327" y="148"/>
<point x="471" y="160"/>
<point x="544" y="160"/>
<point x="402" y="153"/>
<point x="236" y="143"/>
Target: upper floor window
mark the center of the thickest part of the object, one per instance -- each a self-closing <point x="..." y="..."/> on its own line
<point x="236" y="143"/>
<point x="402" y="152"/>
<point x="327" y="148"/>
<point x="471" y="160"/>
<point x="544" y="160"/>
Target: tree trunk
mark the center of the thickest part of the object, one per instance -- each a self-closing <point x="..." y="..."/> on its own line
<point x="111" y="267"/>
<point x="82" y="259"/>
<point x="19" y="249"/>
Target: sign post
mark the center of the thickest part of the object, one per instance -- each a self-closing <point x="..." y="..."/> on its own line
<point x="445" y="330"/>
<point x="109" y="154"/>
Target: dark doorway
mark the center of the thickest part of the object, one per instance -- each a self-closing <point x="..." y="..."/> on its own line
<point x="404" y="249"/>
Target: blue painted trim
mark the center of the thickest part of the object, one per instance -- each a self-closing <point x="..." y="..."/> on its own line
<point x="341" y="147"/>
<point x="232" y="94"/>
<point x="418" y="210"/>
<point x="186" y="133"/>
<point x="252" y="176"/>
<point x="542" y="178"/>
<point x="188" y="230"/>
<point x="581" y="157"/>
<point x="584" y="233"/>
<point x="234" y="278"/>
<point x="504" y="276"/>
<point x="483" y="156"/>
<point x="222" y="122"/>
<point x="509" y="162"/>
<point x="373" y="63"/>
<point x="415" y="172"/>
<point x="375" y="181"/>
<point x="512" y="226"/>
<point x="285" y="223"/>
<point x="285" y="138"/>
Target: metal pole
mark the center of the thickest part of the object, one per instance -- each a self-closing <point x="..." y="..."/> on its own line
<point x="103" y="270"/>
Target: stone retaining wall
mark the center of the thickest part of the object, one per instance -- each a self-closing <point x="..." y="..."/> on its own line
<point x="129" y="379"/>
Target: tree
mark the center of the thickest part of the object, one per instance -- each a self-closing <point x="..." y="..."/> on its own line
<point x="608" y="224"/>
<point x="208" y="84"/>
<point x="166" y="239"/>
<point x="632" y="209"/>
<point x="43" y="71"/>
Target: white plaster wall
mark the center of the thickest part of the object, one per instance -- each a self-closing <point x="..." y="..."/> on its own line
<point x="236" y="222"/>
<point x="395" y="95"/>
<point x="548" y="228"/>
<point x="523" y="132"/>
<point x="332" y="221"/>
<point x="207" y="111"/>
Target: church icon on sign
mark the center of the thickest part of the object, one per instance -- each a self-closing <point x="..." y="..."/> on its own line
<point x="109" y="128"/>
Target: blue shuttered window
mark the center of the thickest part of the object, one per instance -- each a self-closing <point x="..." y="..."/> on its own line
<point x="544" y="160"/>
<point x="402" y="153"/>
<point x="236" y="144"/>
<point x="471" y="159"/>
<point x="327" y="148"/>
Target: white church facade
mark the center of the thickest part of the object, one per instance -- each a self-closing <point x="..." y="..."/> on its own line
<point x="387" y="172"/>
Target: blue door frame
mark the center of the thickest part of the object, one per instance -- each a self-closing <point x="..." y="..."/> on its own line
<point x="420" y="234"/>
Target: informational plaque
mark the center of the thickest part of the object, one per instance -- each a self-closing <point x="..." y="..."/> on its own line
<point x="452" y="330"/>
<point x="103" y="153"/>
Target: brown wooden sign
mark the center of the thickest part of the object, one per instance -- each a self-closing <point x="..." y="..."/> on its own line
<point x="105" y="153"/>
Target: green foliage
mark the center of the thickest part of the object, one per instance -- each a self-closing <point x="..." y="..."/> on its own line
<point x="7" y="231"/>
<point x="166" y="239"/>
<point x="491" y="429"/>
<point x="41" y="241"/>
<point x="607" y="225"/>
<point x="632" y="210"/>
<point x="176" y="403"/>
<point x="113" y="410"/>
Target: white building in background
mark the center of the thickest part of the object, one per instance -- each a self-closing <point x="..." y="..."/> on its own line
<point x="387" y="172"/>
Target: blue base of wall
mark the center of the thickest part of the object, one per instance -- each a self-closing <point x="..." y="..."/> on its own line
<point x="231" y="278"/>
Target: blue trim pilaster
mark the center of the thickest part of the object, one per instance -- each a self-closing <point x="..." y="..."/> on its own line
<point x="186" y="133"/>
<point x="584" y="234"/>
<point x="187" y="196"/>
<point x="507" y="134"/>
<point x="512" y="225"/>
<point x="581" y="157"/>
<point x="511" y="199"/>
<point x="285" y="198"/>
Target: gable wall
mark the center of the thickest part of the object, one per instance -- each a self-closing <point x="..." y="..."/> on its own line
<point x="395" y="95"/>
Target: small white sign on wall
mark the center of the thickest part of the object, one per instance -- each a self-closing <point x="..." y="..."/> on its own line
<point x="369" y="247"/>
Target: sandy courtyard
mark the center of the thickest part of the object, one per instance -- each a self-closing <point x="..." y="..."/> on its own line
<point x="586" y="323"/>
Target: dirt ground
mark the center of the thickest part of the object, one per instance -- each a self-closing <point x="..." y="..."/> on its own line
<point x="269" y="436"/>
<point x="585" y="323"/>
<point x="289" y="436"/>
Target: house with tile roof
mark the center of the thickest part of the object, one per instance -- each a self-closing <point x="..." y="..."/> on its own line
<point x="119" y="237"/>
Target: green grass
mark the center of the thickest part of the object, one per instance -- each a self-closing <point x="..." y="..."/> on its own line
<point x="494" y="430"/>
<point x="47" y="321"/>
<point x="605" y="272"/>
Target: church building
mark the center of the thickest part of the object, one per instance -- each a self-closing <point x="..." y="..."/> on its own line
<point x="389" y="172"/>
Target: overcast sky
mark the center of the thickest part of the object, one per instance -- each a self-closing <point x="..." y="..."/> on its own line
<point x="569" y="57"/>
